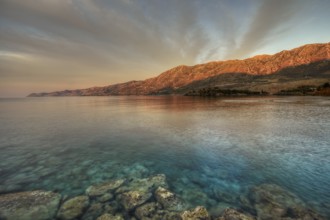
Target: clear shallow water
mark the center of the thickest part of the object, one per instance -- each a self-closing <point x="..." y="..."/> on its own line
<point x="211" y="150"/>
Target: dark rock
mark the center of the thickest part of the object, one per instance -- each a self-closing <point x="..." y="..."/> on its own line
<point x="245" y="203"/>
<point x="111" y="208"/>
<point x="73" y="208"/>
<point x="36" y="205"/>
<point x="303" y="213"/>
<point x="273" y="202"/>
<point x="95" y="210"/>
<point x="171" y="216"/>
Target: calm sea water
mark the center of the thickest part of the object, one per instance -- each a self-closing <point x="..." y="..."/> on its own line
<point x="212" y="150"/>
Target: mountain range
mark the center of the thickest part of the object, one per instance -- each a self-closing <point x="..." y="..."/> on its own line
<point x="305" y="65"/>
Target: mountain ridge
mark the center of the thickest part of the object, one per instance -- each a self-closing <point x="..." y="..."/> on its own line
<point x="181" y="76"/>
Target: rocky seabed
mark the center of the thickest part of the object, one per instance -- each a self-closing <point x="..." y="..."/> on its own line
<point x="148" y="199"/>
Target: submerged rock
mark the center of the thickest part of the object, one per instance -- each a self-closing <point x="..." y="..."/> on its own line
<point x="106" y="197"/>
<point x="195" y="196"/>
<point x="145" y="184"/>
<point x="218" y="209"/>
<point x="170" y="216"/>
<point x="221" y="195"/>
<point x="199" y="213"/>
<point x="73" y="208"/>
<point x="111" y="207"/>
<point x="93" y="211"/>
<point x="100" y="189"/>
<point x="36" y="205"/>
<point x="245" y="203"/>
<point x="110" y="217"/>
<point x="273" y="202"/>
<point x="158" y="180"/>
<point x="154" y="211"/>
<point x="130" y="200"/>
<point x="232" y="214"/>
<point x="303" y="213"/>
<point x="168" y="200"/>
<point x="146" y="211"/>
<point x="137" y="170"/>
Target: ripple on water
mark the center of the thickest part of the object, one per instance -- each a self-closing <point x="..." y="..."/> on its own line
<point x="212" y="151"/>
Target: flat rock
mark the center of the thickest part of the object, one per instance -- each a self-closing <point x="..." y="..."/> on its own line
<point x="36" y="205"/>
<point x="232" y="214"/>
<point x="199" y="213"/>
<point x="100" y="189"/>
<point x="168" y="199"/>
<point x="130" y="200"/>
<point x="73" y="208"/>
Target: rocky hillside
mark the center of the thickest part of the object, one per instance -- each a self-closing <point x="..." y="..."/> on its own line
<point x="173" y="80"/>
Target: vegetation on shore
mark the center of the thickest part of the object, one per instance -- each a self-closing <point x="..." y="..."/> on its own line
<point x="322" y="90"/>
<point x="216" y="91"/>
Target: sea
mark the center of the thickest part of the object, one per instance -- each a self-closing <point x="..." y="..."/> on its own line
<point x="212" y="150"/>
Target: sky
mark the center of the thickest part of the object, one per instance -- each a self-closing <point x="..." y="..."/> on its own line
<point x="49" y="45"/>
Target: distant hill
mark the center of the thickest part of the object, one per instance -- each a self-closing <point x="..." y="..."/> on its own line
<point x="306" y="65"/>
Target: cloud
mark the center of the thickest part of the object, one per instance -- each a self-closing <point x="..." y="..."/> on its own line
<point x="103" y="32"/>
<point x="270" y="19"/>
<point x="99" y="41"/>
<point x="81" y="43"/>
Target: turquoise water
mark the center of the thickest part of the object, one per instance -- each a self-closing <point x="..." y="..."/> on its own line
<point x="211" y="150"/>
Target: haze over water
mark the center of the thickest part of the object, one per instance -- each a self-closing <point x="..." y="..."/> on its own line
<point x="204" y="146"/>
